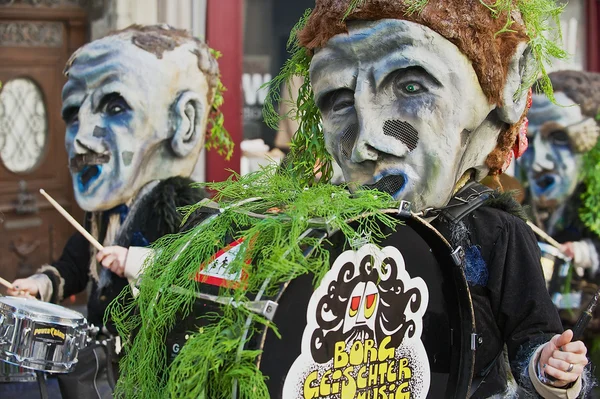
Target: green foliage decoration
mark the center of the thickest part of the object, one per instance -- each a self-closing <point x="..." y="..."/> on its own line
<point x="308" y="156"/>
<point x="539" y="16"/>
<point x="217" y="136"/>
<point x="589" y="212"/>
<point x="269" y="210"/>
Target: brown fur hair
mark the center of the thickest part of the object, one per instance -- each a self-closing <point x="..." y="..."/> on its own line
<point x="466" y="23"/>
<point x="581" y="87"/>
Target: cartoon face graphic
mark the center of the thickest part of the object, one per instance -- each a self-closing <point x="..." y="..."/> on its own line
<point x="363" y="331"/>
<point x="362" y="306"/>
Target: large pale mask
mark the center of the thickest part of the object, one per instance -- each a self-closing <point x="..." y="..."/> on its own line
<point x="136" y="106"/>
<point x="404" y="112"/>
<point x="559" y="135"/>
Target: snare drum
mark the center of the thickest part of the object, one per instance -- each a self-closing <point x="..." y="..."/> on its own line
<point x="39" y="335"/>
<point x="393" y="320"/>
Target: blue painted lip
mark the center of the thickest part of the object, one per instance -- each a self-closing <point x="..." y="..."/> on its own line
<point x="88" y="175"/>
<point x="392" y="182"/>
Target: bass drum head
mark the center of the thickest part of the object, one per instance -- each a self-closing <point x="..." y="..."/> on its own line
<point x="393" y="321"/>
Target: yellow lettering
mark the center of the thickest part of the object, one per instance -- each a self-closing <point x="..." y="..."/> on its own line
<point x="382" y="372"/>
<point x="391" y="375"/>
<point x="404" y="371"/>
<point x="370" y="351"/>
<point x="401" y="393"/>
<point x="325" y="387"/>
<point x="356" y="353"/>
<point x="384" y="352"/>
<point x="340" y="358"/>
<point x="349" y="387"/>
<point x="310" y="391"/>
<point x="372" y="379"/>
<point x="361" y="378"/>
<point x="335" y="381"/>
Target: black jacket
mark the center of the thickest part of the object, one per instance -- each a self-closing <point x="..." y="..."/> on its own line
<point x="155" y="217"/>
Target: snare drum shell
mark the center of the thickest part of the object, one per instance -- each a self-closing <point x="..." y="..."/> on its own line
<point x="40" y="336"/>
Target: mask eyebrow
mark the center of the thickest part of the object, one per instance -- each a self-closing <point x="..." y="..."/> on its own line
<point x="400" y="62"/>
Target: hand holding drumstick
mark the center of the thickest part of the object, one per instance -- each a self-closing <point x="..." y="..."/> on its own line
<point x="112" y="258"/>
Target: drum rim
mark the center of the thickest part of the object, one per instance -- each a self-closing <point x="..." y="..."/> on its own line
<point x="40" y="317"/>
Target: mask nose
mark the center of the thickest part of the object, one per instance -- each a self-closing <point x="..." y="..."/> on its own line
<point x="543" y="159"/>
<point x="90" y="141"/>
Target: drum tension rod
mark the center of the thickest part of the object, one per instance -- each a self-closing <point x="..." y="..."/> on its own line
<point x="458" y="255"/>
<point x="265" y="308"/>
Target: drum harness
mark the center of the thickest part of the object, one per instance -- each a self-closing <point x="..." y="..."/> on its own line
<point x="469" y="198"/>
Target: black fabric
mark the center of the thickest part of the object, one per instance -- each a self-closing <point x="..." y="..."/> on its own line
<point x="91" y="377"/>
<point x="155" y="217"/>
<point x="514" y="308"/>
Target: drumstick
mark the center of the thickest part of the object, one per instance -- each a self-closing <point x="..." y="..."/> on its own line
<point x="545" y="236"/>
<point x="74" y="222"/>
<point x="7" y="284"/>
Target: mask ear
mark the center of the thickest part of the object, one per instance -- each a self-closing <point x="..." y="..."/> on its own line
<point x="514" y="95"/>
<point x="188" y="114"/>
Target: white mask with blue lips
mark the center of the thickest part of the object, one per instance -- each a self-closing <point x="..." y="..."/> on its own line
<point x="550" y="164"/>
<point x="403" y="110"/>
<point x="131" y="118"/>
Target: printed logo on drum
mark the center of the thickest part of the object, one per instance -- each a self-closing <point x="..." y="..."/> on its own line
<point x="218" y="271"/>
<point x="49" y="333"/>
<point x="363" y="332"/>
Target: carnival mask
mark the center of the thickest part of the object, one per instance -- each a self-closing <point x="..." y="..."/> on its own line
<point x="558" y="135"/>
<point x="132" y="116"/>
<point x="403" y="110"/>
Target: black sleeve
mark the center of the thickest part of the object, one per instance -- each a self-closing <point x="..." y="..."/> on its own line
<point x="523" y="309"/>
<point x="72" y="267"/>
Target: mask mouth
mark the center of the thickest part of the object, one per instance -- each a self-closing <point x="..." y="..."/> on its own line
<point x="88" y="175"/>
<point x="80" y="162"/>
<point x="391" y="184"/>
<point x="545" y="183"/>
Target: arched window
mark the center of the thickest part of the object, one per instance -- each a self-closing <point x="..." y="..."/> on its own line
<point x="23" y="125"/>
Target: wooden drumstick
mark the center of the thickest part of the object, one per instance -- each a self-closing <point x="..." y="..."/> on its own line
<point x="10" y="286"/>
<point x="545" y="236"/>
<point x="74" y="222"/>
<point x="7" y="284"/>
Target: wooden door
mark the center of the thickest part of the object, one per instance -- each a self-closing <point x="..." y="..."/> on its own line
<point x="36" y="39"/>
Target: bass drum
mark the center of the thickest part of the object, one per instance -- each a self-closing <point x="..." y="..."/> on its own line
<point x="393" y="321"/>
<point x="389" y="321"/>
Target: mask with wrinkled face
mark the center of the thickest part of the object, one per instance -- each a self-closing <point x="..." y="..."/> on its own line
<point x="403" y="110"/>
<point x="131" y="118"/>
<point x="550" y="164"/>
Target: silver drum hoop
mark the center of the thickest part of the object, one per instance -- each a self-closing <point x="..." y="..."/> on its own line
<point x="40" y="336"/>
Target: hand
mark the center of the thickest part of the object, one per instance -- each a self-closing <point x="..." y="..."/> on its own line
<point x="563" y="359"/>
<point x="567" y="249"/>
<point x="24" y="287"/>
<point x="113" y="258"/>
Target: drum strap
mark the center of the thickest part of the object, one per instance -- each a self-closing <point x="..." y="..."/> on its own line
<point x="465" y="201"/>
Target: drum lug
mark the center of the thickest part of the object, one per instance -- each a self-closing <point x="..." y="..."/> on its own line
<point x="458" y="255"/>
<point x="404" y="209"/>
<point x="474" y="341"/>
